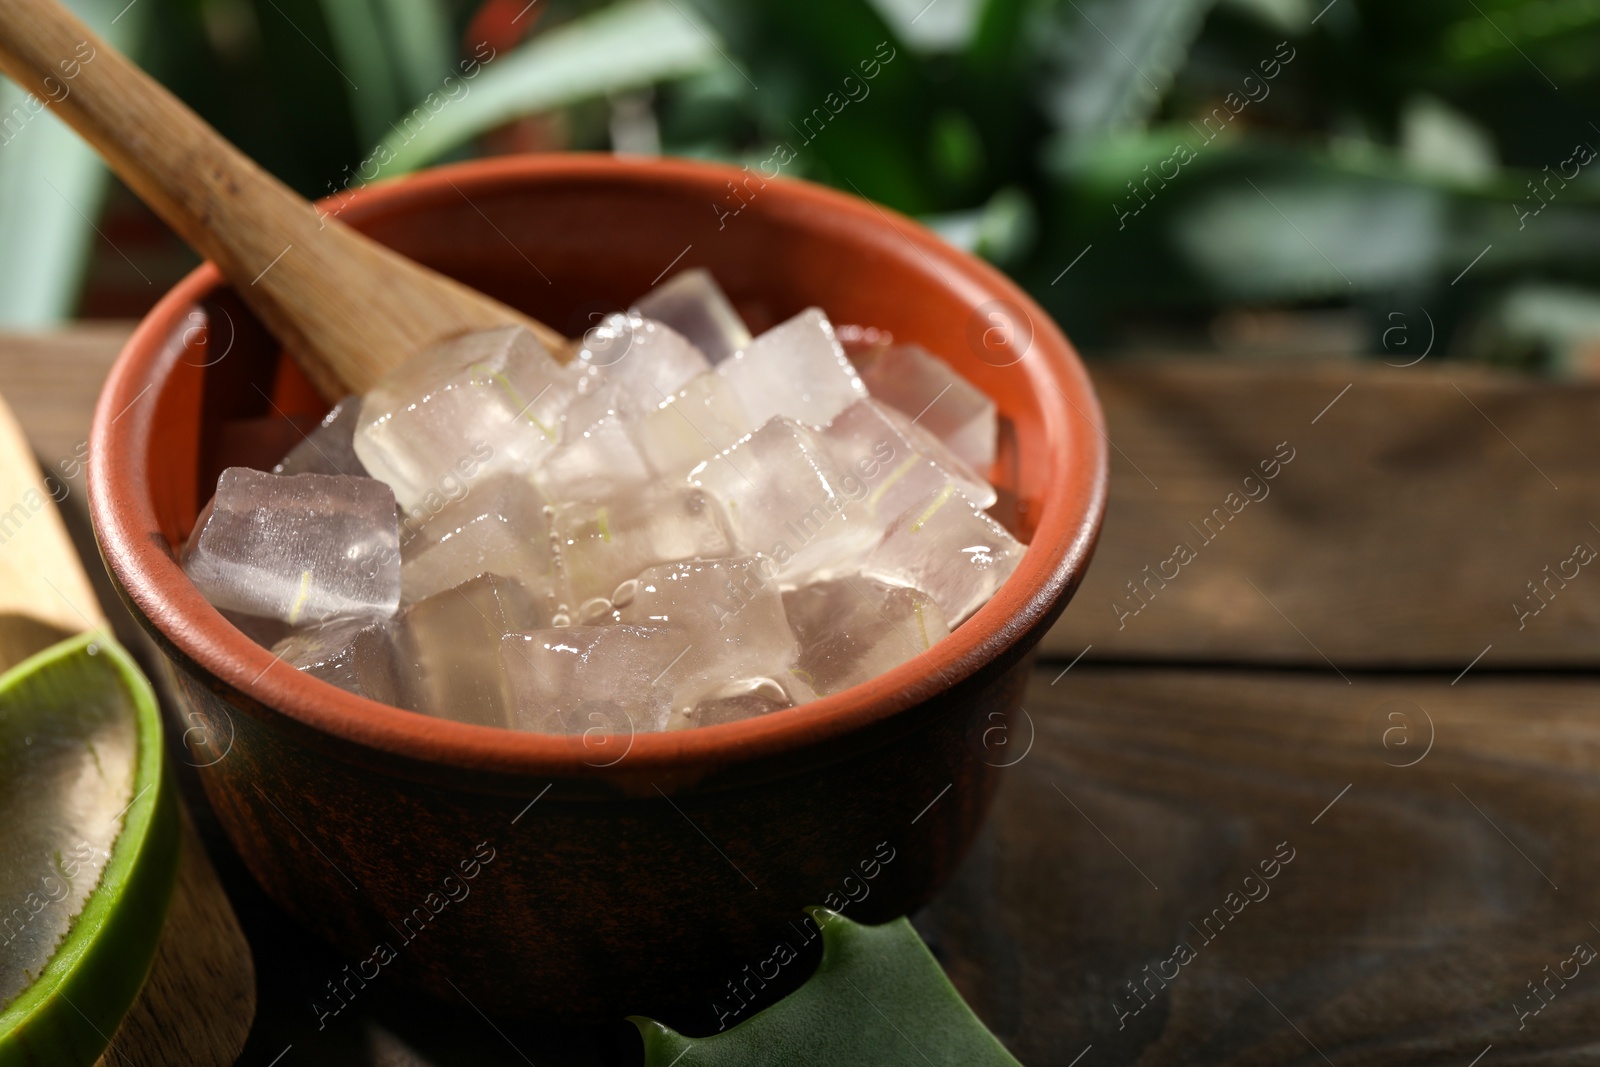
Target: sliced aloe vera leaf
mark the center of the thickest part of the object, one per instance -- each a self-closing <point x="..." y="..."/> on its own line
<point x="878" y="997"/>
<point x="89" y="838"/>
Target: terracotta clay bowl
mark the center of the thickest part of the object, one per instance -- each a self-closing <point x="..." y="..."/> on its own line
<point x="655" y="873"/>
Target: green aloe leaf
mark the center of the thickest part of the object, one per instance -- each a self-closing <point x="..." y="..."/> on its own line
<point x="1112" y="60"/>
<point x="52" y="186"/>
<point x="396" y="51"/>
<point x="419" y="39"/>
<point x="87" y="884"/>
<point x="1254" y="221"/>
<point x="878" y="997"/>
<point x="832" y="82"/>
<point x="624" y="46"/>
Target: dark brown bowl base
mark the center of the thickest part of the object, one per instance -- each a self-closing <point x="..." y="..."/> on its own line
<point x="679" y="904"/>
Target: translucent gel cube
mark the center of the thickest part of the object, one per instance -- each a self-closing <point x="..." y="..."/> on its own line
<point x="644" y="360"/>
<point x="605" y="543"/>
<point x="896" y="462"/>
<point x="946" y="547"/>
<point x="449" y="648"/>
<point x="796" y="369"/>
<point x="300" y="548"/>
<point x="491" y="401"/>
<point x="354" y="654"/>
<point x="581" y="678"/>
<point x="693" y="304"/>
<point x="499" y="526"/>
<point x="329" y="449"/>
<point x="924" y="387"/>
<point x="746" y="698"/>
<point x="786" y="498"/>
<point x="731" y="615"/>
<point x="598" y="455"/>
<point x="694" y="424"/>
<point x="263" y="631"/>
<point x="853" y="628"/>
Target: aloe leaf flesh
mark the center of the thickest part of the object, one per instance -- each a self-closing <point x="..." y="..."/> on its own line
<point x="89" y="837"/>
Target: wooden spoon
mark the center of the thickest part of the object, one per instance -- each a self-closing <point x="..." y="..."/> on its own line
<point x="345" y="307"/>
<point x="199" y="999"/>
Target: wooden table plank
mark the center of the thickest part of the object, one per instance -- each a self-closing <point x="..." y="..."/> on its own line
<point x="52" y="381"/>
<point x="1409" y="521"/>
<point x="199" y="1001"/>
<point x="1415" y="909"/>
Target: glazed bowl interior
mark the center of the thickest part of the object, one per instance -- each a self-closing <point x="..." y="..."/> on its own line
<point x="201" y="387"/>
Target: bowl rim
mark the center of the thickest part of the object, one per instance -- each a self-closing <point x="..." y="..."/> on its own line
<point x="1073" y="496"/>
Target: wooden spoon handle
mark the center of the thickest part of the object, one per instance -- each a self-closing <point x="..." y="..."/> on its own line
<point x="345" y="306"/>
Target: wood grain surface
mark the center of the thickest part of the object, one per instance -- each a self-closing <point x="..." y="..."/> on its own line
<point x="53" y="379"/>
<point x="1299" y="686"/>
<point x="1414" y="513"/>
<point x="1427" y="888"/>
<point x="199" y="1001"/>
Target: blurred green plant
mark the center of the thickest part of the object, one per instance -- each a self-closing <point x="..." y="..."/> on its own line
<point x="1129" y="161"/>
<point x="51" y="188"/>
<point x="629" y="45"/>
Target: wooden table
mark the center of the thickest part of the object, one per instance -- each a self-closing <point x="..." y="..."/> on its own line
<point x="1337" y="688"/>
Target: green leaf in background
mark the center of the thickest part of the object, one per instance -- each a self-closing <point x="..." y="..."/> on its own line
<point x="51" y="188"/>
<point x="394" y="52"/>
<point x="1403" y="140"/>
<point x="419" y="36"/>
<point x="1254" y="222"/>
<point x="1002" y="231"/>
<point x="1116" y="59"/>
<point x="878" y="997"/>
<point x="946" y="26"/>
<point x="833" y="81"/>
<point x="624" y="46"/>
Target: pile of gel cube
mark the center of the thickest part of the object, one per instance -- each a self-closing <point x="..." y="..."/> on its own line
<point x="683" y="526"/>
